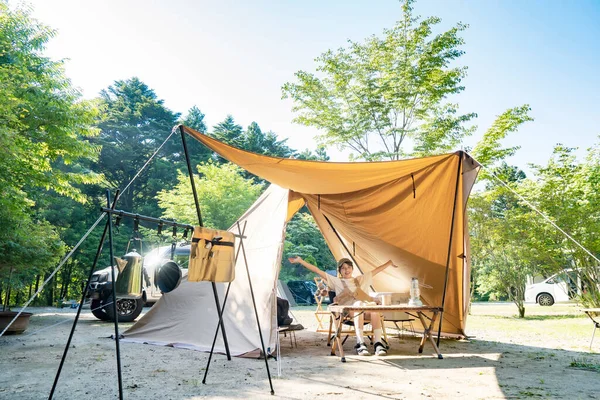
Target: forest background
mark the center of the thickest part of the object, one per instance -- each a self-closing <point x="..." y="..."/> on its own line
<point x="388" y="97"/>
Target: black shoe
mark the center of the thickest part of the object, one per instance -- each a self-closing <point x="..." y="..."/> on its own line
<point x="361" y="349"/>
<point x="380" y="349"/>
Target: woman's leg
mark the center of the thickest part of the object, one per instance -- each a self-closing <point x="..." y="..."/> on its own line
<point x="361" y="347"/>
<point x="359" y="321"/>
<point x="376" y="324"/>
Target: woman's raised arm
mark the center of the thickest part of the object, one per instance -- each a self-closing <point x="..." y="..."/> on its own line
<point x="299" y="260"/>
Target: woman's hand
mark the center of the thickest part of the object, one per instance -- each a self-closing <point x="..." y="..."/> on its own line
<point x="295" y="260"/>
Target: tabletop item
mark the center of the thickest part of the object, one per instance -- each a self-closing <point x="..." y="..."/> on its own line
<point x="415" y="293"/>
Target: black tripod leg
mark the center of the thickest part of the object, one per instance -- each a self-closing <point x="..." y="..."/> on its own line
<point x="114" y="299"/>
<point x="262" y="342"/>
<point x="96" y="257"/>
<point x="212" y="349"/>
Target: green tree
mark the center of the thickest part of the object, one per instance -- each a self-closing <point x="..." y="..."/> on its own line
<point x="320" y="154"/>
<point x="42" y="121"/>
<point x="376" y="94"/>
<point x="568" y="192"/>
<point x="195" y="119"/>
<point x="43" y="148"/>
<point x="500" y="248"/>
<point x="304" y="239"/>
<point x="198" y="152"/>
<point x="224" y="195"/>
<point x="229" y="132"/>
<point x="256" y="141"/>
<point x="133" y="124"/>
<point x="489" y="150"/>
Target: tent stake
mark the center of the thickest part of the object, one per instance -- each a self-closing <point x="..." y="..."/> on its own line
<point x="195" y="193"/>
<point x="460" y="154"/>
<point x="87" y="285"/>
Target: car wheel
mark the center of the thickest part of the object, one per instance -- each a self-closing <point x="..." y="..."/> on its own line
<point x="309" y="300"/>
<point x="545" y="299"/>
<point x="127" y="309"/>
<point x="98" y="310"/>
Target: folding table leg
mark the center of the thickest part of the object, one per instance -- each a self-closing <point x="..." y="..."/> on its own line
<point x="427" y="333"/>
<point x="338" y="330"/>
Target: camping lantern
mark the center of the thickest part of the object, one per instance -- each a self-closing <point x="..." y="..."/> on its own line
<point x="415" y="293"/>
<point x="129" y="280"/>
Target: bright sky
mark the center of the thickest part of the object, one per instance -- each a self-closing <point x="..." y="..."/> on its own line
<point x="232" y="57"/>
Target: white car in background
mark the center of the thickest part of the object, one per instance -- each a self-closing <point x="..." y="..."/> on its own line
<point x="559" y="287"/>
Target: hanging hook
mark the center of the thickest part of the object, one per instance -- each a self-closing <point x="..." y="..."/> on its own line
<point x="118" y="221"/>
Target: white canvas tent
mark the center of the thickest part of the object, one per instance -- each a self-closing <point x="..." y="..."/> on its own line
<point x="187" y="317"/>
<point x="410" y="211"/>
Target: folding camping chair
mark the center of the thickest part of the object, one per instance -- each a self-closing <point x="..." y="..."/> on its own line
<point x="348" y="328"/>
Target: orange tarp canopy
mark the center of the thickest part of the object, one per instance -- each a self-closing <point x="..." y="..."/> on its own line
<point x="410" y="211"/>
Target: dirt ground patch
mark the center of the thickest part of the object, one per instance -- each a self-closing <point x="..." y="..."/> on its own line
<point x="507" y="358"/>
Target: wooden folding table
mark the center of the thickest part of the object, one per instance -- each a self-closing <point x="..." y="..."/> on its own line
<point x="344" y="313"/>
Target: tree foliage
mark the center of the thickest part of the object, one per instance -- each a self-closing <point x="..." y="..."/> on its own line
<point x="133" y="124"/>
<point x="511" y="240"/>
<point x="305" y="240"/>
<point x="42" y="121"/>
<point x="224" y="195"/>
<point x="374" y="95"/>
<point x="43" y="127"/>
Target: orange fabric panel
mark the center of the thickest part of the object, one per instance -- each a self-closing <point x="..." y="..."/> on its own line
<point x="398" y="210"/>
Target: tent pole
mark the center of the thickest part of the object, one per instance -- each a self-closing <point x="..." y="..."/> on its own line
<point x="214" y="285"/>
<point x="460" y="154"/>
<point x="342" y="242"/>
<point x="87" y="285"/>
<point x="262" y="342"/>
<point x="212" y="348"/>
<point x="114" y="299"/>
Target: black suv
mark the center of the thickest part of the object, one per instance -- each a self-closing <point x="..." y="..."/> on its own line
<point x="100" y="289"/>
<point x="303" y="291"/>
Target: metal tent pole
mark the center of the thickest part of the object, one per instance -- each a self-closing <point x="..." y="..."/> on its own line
<point x="342" y="242"/>
<point x="114" y="299"/>
<point x="214" y="286"/>
<point x="93" y="267"/>
<point x="458" y="172"/>
<point x="262" y="342"/>
<point x="212" y="348"/>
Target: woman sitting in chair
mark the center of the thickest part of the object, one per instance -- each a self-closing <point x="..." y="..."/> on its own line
<point x="353" y="291"/>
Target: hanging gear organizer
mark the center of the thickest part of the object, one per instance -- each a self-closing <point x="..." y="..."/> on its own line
<point x="212" y="256"/>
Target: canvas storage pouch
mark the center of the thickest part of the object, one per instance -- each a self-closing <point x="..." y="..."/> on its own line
<point x="212" y="256"/>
